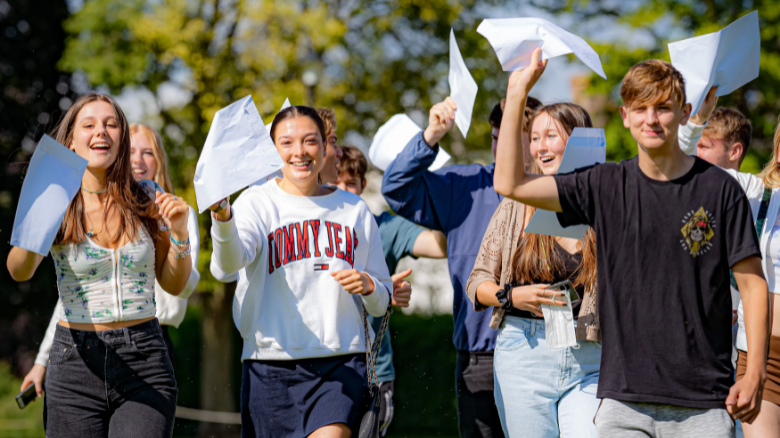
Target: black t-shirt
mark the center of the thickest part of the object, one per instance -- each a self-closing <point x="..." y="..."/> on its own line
<point x="570" y="264"/>
<point x="664" y="249"/>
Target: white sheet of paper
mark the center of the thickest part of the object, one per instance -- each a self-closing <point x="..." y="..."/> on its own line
<point x="514" y="41"/>
<point x="728" y="58"/>
<point x="238" y="152"/>
<point x="284" y="105"/>
<point x="392" y="137"/>
<point x="586" y="146"/>
<point x="53" y="179"/>
<point x="463" y="89"/>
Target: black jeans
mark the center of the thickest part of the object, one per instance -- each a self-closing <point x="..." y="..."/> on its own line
<point x="113" y="383"/>
<point x="477" y="411"/>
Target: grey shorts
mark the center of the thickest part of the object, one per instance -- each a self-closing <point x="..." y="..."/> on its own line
<point x="618" y="419"/>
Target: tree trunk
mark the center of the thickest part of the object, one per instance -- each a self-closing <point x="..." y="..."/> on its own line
<point x="217" y="392"/>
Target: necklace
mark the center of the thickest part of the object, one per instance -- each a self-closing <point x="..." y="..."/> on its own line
<point x="91" y="233"/>
<point x="95" y="192"/>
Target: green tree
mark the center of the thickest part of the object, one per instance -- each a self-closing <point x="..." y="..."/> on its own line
<point x="679" y="19"/>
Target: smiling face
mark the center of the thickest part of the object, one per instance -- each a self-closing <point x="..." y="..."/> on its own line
<point x="299" y="142"/>
<point x="142" y="157"/>
<point x="350" y="183"/>
<point x="654" y="125"/>
<point x="548" y="143"/>
<point x="97" y="135"/>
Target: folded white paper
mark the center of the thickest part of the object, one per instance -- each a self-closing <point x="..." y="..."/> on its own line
<point x="284" y="105"/>
<point x="238" y="152"/>
<point x="392" y="137"/>
<point x="463" y="89"/>
<point x="53" y="179"/>
<point x="586" y="146"/>
<point x="515" y="39"/>
<point x="728" y="58"/>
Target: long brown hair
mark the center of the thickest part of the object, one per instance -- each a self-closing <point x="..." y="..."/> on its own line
<point x="536" y="258"/>
<point x="771" y="173"/>
<point x="161" y="175"/>
<point x="127" y="198"/>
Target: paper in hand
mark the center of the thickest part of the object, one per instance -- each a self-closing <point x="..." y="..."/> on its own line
<point x="392" y="137"/>
<point x="515" y="39"/>
<point x="463" y="89"/>
<point x="728" y="58"/>
<point x="286" y="104"/>
<point x="238" y="152"/>
<point x="586" y="147"/>
<point x="53" y="179"/>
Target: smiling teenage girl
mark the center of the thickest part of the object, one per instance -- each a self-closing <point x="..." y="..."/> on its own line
<point x="310" y="260"/>
<point x="109" y="369"/>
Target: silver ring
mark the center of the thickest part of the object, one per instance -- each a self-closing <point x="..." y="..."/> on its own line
<point x="175" y="198"/>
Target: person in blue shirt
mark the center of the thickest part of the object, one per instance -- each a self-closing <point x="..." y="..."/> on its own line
<point x="400" y="238"/>
<point x="459" y="201"/>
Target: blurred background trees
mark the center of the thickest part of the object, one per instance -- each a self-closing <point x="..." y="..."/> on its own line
<point x="174" y="63"/>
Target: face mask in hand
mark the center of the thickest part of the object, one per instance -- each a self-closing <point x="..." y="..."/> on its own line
<point x="559" y="326"/>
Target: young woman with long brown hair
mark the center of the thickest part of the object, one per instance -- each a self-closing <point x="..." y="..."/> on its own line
<point x="149" y="161"/>
<point x="540" y="392"/>
<point x="310" y="261"/>
<point x="109" y="372"/>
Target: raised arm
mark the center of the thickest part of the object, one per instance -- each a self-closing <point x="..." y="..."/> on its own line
<point x="411" y="190"/>
<point x="192" y="227"/>
<point x="236" y="236"/>
<point x="22" y="263"/>
<point x="689" y="134"/>
<point x="173" y="264"/>
<point x="510" y="177"/>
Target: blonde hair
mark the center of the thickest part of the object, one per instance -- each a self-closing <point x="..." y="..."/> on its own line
<point x="161" y="174"/>
<point x="771" y="173"/>
<point x="651" y="82"/>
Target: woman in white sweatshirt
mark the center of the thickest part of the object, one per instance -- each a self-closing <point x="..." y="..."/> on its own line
<point x="310" y="260"/>
<point x="149" y="162"/>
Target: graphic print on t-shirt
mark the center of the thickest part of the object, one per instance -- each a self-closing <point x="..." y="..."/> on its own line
<point x="697" y="232"/>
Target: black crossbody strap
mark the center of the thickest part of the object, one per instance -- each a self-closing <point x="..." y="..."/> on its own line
<point x="762" y="210"/>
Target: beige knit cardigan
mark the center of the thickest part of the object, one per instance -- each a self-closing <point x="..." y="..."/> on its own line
<point x="494" y="264"/>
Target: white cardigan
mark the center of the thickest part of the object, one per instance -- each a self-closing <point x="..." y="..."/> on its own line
<point x="170" y="309"/>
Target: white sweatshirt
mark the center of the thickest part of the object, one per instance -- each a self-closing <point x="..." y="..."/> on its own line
<point x="170" y="309"/>
<point x="285" y="248"/>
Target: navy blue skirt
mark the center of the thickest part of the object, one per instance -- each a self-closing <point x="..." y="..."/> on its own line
<point x="293" y="398"/>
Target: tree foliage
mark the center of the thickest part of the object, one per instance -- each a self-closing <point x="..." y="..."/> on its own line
<point x="665" y="21"/>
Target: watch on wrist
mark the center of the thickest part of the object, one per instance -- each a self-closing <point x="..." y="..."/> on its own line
<point x="222" y="205"/>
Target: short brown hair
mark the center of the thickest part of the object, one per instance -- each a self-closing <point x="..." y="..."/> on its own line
<point x="731" y="126"/>
<point x="651" y="82"/>
<point x="329" y="118"/>
<point x="353" y="162"/>
<point x="531" y="104"/>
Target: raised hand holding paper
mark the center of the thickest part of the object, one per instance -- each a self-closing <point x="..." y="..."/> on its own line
<point x="392" y="137"/>
<point x="463" y="89"/>
<point x="514" y="40"/>
<point x="286" y="104"/>
<point x="238" y="152"/>
<point x="728" y="58"/>
<point x="586" y="147"/>
<point x="52" y="180"/>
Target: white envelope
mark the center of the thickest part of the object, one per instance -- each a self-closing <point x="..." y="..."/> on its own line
<point x="586" y="146"/>
<point x="238" y="152"/>
<point x="392" y="137"/>
<point x="728" y="58"/>
<point x="463" y="89"/>
<point x="514" y="41"/>
<point x="284" y="105"/>
<point x="53" y="179"/>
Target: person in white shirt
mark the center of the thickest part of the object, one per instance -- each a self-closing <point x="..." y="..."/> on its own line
<point x="310" y="263"/>
<point x="149" y="162"/>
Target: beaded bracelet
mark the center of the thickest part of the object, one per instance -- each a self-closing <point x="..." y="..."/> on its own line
<point x="180" y="243"/>
<point x="180" y="254"/>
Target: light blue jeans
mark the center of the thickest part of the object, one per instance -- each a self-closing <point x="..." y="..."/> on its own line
<point x="542" y="393"/>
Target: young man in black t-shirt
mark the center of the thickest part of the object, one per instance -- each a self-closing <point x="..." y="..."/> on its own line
<point x="668" y="229"/>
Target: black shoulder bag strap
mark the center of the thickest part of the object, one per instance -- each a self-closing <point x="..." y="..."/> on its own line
<point x="759" y="225"/>
<point x="369" y="424"/>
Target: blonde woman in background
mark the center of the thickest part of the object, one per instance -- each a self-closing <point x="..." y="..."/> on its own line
<point x="149" y="162"/>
